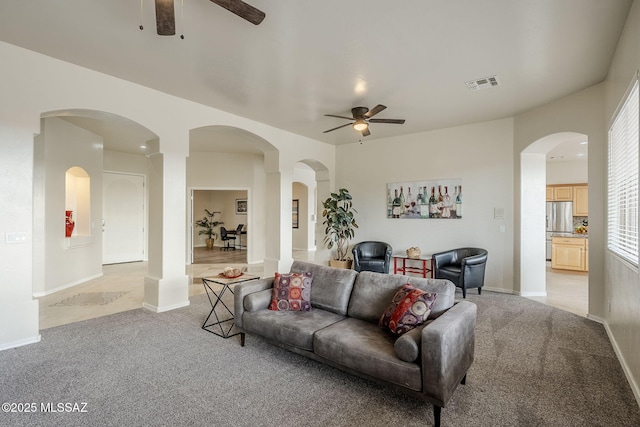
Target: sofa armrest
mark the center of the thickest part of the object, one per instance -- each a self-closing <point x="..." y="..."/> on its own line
<point x="241" y="290"/>
<point x="447" y="351"/>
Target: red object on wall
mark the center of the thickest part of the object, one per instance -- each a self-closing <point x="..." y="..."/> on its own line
<point x="69" y="224"/>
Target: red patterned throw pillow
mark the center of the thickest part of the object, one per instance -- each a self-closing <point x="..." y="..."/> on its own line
<point x="291" y="292"/>
<point x="409" y="308"/>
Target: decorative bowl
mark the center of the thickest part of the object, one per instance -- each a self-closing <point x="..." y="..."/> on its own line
<point x="230" y="272"/>
<point x="413" y="252"/>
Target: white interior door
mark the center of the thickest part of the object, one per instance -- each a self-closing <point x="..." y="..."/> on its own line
<point x="123" y="207"/>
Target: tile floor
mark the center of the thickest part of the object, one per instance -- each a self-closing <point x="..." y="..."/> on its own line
<point x="121" y="288"/>
<point x="567" y="290"/>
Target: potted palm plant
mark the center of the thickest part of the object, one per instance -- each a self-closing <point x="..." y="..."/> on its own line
<point x="340" y="226"/>
<point x="208" y="225"/>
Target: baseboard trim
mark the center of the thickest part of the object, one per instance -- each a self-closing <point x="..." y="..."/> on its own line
<point x="157" y="309"/>
<point x="67" y="286"/>
<point x="532" y="294"/>
<point x="20" y="343"/>
<point x="499" y="290"/>
<point x="625" y="368"/>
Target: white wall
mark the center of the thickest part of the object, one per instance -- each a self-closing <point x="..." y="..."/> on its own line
<point x="568" y="172"/>
<point x="622" y="282"/>
<point x="66" y="263"/>
<point x="33" y="84"/>
<point x="582" y="113"/>
<point x="479" y="154"/>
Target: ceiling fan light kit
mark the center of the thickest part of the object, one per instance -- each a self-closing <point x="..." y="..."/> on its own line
<point x="362" y="117"/>
<point x="360" y="125"/>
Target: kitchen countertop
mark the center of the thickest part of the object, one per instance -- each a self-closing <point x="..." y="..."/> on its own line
<point x="574" y="235"/>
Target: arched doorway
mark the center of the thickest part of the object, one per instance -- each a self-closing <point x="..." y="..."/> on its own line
<point x="554" y="159"/>
<point x="231" y="161"/>
<point x="94" y="141"/>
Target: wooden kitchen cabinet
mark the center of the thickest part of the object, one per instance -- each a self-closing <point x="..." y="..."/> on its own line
<point x="581" y="201"/>
<point x="563" y="194"/>
<point x="569" y="253"/>
<point x="559" y="193"/>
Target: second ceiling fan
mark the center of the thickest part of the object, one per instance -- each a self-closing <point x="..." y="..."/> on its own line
<point x="166" y="22"/>
<point x="362" y="116"/>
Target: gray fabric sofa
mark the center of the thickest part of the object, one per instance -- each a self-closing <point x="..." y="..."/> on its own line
<point x="342" y="330"/>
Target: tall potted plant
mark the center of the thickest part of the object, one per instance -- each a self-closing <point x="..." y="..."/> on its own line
<point x="208" y="225"/>
<point x="340" y="226"/>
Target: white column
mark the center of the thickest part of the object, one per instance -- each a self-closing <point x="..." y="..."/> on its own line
<point x="278" y="215"/>
<point x="532" y="225"/>
<point x="166" y="285"/>
<point x="18" y="310"/>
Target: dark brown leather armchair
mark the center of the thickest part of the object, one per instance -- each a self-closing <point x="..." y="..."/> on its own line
<point x="372" y="256"/>
<point x="464" y="267"/>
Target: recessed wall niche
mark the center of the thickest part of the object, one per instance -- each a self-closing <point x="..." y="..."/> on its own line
<point x="78" y="200"/>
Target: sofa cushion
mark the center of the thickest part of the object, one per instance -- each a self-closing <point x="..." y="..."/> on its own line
<point x="331" y="286"/>
<point x="293" y="328"/>
<point x="409" y="308"/>
<point x="373" y="291"/>
<point x="291" y="292"/>
<point x="364" y="347"/>
<point x="407" y="346"/>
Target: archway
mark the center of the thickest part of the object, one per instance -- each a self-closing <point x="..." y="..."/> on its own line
<point x="533" y="213"/>
<point x="304" y="211"/>
<point x="316" y="177"/>
<point x="96" y="142"/>
<point x="234" y="161"/>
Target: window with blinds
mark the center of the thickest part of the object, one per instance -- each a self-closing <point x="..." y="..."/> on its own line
<point x="623" y="180"/>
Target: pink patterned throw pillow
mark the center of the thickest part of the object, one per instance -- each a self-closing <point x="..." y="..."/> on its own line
<point x="291" y="292"/>
<point x="409" y="308"/>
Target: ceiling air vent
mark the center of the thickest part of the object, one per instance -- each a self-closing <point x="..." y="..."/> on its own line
<point x="483" y="83"/>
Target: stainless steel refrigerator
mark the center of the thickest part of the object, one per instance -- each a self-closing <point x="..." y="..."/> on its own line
<point x="559" y="221"/>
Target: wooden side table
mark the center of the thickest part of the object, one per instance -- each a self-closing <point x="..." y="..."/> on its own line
<point x="422" y="265"/>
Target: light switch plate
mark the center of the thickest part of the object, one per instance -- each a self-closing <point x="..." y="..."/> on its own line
<point x="16" y="237"/>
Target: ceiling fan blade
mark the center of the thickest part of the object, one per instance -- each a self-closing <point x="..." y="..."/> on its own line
<point x="366" y="132"/>
<point x="243" y="10"/>
<point x="375" y="110"/>
<point x="165" y="18"/>
<point x="339" y="117"/>
<point x="392" y="121"/>
<point x="331" y="130"/>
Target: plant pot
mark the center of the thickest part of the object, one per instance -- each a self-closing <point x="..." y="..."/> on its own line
<point x="341" y="264"/>
<point x="210" y="243"/>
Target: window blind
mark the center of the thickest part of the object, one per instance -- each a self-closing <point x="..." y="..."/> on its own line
<point x="622" y="199"/>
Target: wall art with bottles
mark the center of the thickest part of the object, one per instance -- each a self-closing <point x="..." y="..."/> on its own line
<point x="437" y="199"/>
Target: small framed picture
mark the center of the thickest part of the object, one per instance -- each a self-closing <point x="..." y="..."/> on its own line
<point x="241" y="206"/>
<point x="294" y="212"/>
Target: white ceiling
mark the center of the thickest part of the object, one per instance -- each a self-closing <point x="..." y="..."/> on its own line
<point x="310" y="58"/>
